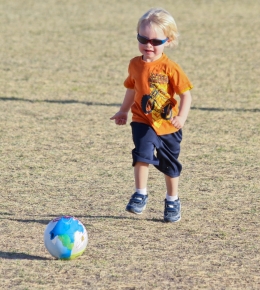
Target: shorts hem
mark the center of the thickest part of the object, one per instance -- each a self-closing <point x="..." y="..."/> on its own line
<point x="148" y="161"/>
<point x="170" y="174"/>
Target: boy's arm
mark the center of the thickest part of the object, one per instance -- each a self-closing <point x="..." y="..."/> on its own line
<point x="121" y="116"/>
<point x="185" y="103"/>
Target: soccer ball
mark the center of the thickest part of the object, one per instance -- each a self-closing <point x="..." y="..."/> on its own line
<point x="65" y="238"/>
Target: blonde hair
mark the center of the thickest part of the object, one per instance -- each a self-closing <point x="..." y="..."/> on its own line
<point x="162" y="19"/>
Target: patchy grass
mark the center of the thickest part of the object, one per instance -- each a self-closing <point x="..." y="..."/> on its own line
<point x="61" y="78"/>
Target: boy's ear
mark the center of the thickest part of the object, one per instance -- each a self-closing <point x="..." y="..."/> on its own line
<point x="168" y="42"/>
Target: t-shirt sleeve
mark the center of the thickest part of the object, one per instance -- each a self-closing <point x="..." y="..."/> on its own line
<point x="129" y="82"/>
<point x="180" y="81"/>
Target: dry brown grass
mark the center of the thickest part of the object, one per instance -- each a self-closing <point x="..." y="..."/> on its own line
<point x="61" y="74"/>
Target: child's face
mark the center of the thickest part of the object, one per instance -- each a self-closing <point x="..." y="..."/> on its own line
<point x="151" y="53"/>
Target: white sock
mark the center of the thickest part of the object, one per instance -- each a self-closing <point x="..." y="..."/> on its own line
<point x="142" y="191"/>
<point x="171" y="198"/>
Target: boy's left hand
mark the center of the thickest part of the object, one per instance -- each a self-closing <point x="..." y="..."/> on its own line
<point x="178" y="122"/>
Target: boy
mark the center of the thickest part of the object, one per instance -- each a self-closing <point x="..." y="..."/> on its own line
<point x="152" y="82"/>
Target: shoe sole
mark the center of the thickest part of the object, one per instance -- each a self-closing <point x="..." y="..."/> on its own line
<point x="169" y="221"/>
<point x="132" y="211"/>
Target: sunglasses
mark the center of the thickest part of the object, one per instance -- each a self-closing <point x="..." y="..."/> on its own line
<point x="153" y="42"/>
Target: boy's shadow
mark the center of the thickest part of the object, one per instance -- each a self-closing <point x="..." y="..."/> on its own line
<point x="46" y="221"/>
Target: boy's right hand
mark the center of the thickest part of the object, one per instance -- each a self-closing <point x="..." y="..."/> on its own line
<point x="120" y="118"/>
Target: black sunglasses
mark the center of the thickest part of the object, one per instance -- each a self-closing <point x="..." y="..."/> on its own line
<point x="154" y="42"/>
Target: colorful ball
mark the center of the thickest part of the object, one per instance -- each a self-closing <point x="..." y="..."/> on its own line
<point x="65" y="238"/>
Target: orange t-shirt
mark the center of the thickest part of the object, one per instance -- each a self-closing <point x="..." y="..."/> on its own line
<point x="155" y="84"/>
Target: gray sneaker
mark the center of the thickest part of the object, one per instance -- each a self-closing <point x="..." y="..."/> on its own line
<point x="172" y="211"/>
<point x="137" y="203"/>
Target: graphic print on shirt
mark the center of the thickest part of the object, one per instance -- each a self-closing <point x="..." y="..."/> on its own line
<point x="158" y="102"/>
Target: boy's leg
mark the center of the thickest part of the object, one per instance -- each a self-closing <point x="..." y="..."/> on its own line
<point x="168" y="153"/>
<point x="172" y="186"/>
<point x="138" y="201"/>
<point x="145" y="141"/>
<point x="141" y="171"/>
<point x="172" y="211"/>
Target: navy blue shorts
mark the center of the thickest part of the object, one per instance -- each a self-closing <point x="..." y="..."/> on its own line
<point x="167" y="148"/>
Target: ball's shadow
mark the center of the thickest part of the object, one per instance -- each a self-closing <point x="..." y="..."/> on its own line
<point x="20" y="256"/>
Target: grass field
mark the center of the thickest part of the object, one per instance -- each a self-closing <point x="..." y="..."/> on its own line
<point x="62" y="69"/>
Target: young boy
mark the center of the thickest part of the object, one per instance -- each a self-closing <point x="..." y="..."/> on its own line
<point x="152" y="82"/>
